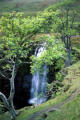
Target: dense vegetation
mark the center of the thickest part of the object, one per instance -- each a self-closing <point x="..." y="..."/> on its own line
<point x="54" y="29"/>
<point x="69" y="110"/>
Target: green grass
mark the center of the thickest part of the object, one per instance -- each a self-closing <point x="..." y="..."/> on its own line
<point x="72" y="79"/>
<point x="71" y="83"/>
<point x="70" y="111"/>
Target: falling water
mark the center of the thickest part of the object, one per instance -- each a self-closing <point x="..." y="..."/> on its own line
<point x="38" y="88"/>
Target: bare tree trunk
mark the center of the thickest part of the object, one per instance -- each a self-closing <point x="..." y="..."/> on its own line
<point x="9" y="102"/>
<point x="12" y="92"/>
<point x="68" y="46"/>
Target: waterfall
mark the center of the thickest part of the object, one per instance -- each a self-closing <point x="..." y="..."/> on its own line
<point x="39" y="81"/>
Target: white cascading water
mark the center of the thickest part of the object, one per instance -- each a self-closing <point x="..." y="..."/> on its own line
<point x="39" y="81"/>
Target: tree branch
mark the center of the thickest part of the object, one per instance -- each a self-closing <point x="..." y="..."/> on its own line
<point x="4" y="99"/>
<point x="2" y="75"/>
<point x="12" y="90"/>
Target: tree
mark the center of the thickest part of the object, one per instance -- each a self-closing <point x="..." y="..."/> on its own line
<point x="66" y="22"/>
<point x="15" y="44"/>
<point x="69" y="25"/>
<point x="12" y="53"/>
<point x="54" y="51"/>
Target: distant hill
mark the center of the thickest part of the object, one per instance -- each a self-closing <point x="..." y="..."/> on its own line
<point x="29" y="7"/>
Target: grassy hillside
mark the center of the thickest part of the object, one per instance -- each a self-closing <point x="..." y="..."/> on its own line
<point x="65" y="104"/>
<point x="64" y="107"/>
<point x="29" y="7"/>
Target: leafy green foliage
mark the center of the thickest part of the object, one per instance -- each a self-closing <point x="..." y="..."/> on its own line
<point x="54" y="50"/>
<point x="68" y="18"/>
<point x="16" y="42"/>
<point x="69" y="109"/>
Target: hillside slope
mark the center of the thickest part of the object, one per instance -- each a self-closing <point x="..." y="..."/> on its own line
<point x="64" y="107"/>
<point x="29" y="7"/>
